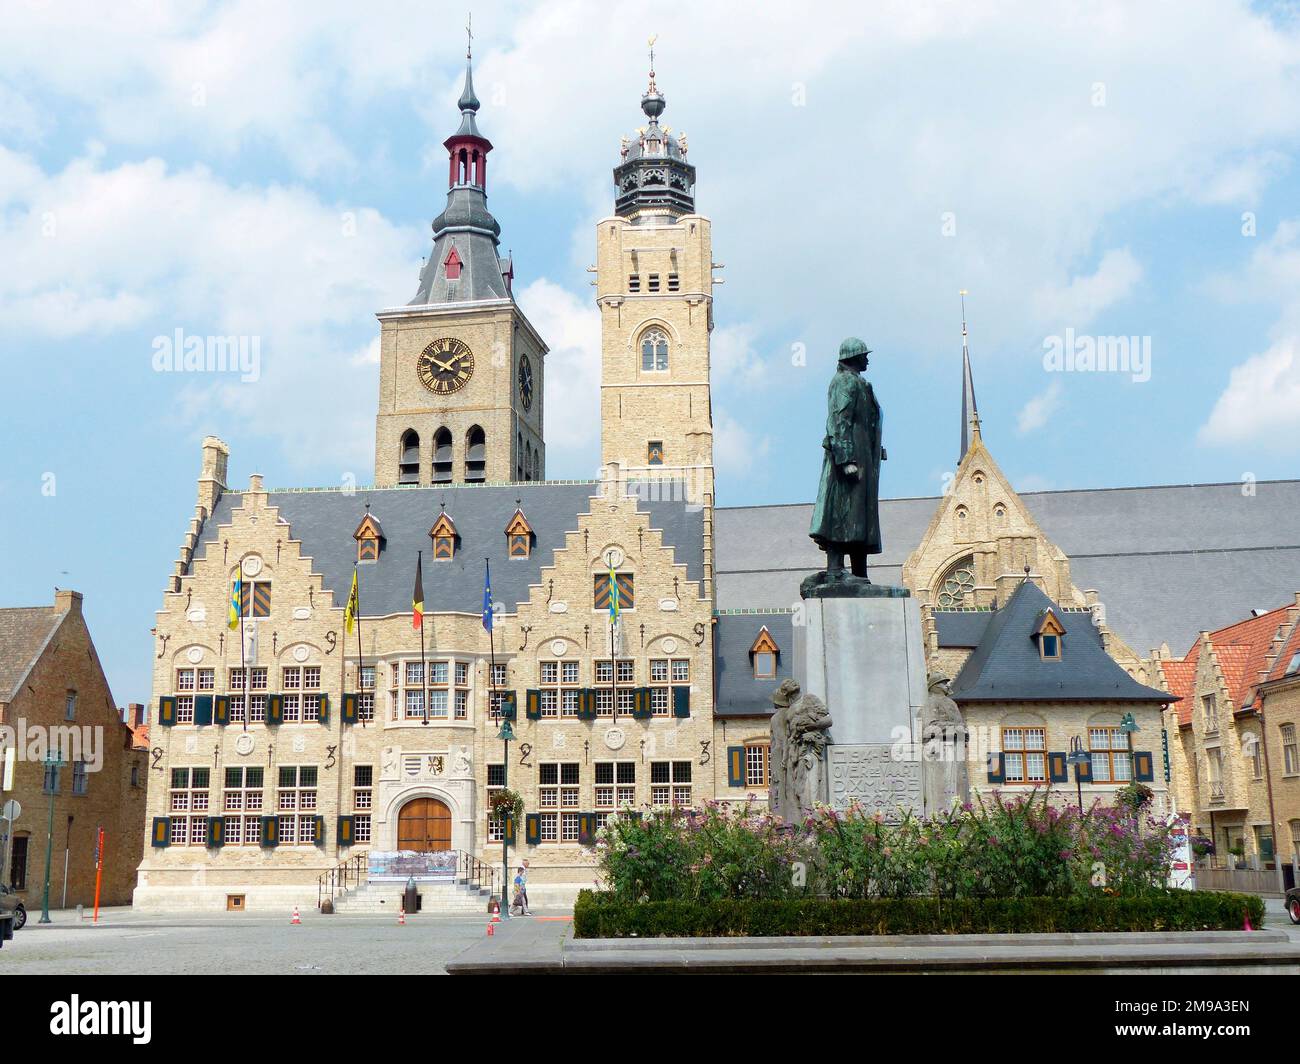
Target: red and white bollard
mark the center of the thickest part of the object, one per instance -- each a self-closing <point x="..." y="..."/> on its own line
<point x="296" y="918"/>
<point x="492" y="929"/>
<point x="496" y="912"/>
<point x="401" y="917"/>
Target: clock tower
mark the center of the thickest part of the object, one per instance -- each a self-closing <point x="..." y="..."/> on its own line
<point x="460" y="367"/>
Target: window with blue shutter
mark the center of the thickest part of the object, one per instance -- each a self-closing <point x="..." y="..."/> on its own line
<point x="347" y="830"/>
<point x="202" y="709"/>
<point x="167" y="710"/>
<point x="216" y="832"/>
<point x="508" y="829"/>
<point x="162" y="832"/>
<point x="1143" y="766"/>
<point x="532" y="828"/>
<point x="324" y="708"/>
<point x="735" y="766"/>
<point x="509" y="705"/>
<point x="681" y="702"/>
<point x="586" y="829"/>
<point x="221" y="709"/>
<point x="1083" y="771"/>
<point x="533" y="704"/>
<point x="349" y="709"/>
<point x="641" y="704"/>
<point x="274" y="709"/>
<point x="318" y="833"/>
<point x="270" y="831"/>
<point x="1058" y="768"/>
<point x="997" y="768"/>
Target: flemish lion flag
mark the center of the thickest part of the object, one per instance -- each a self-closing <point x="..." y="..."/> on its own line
<point x="236" y="600"/>
<point x="417" y="597"/>
<point x="353" y="607"/>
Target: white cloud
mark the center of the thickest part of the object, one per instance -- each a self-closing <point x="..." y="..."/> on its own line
<point x="738" y="452"/>
<point x="1262" y="400"/>
<point x="142" y="247"/>
<point x="1039" y="410"/>
<point x="571" y="327"/>
<point x="734" y="360"/>
<point x="1083" y="297"/>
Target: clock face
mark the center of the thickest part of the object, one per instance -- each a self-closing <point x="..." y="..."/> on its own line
<point x="526" y="381"/>
<point x="445" y="366"/>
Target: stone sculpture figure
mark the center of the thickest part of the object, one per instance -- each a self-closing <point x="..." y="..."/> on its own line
<point x="943" y="737"/>
<point x="846" y="517"/>
<point x="796" y="760"/>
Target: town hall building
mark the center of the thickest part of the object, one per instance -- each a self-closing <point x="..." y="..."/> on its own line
<point x="638" y="631"/>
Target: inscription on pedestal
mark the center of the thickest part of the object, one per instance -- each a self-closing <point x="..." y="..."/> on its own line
<point x="869" y="775"/>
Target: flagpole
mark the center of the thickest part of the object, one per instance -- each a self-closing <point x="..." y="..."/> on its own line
<point x="424" y="668"/>
<point x="243" y="665"/>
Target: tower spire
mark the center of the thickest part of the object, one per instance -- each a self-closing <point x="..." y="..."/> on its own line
<point x="970" y="416"/>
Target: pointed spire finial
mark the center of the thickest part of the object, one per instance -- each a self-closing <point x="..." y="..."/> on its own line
<point x="469" y="36"/>
<point x="970" y="418"/>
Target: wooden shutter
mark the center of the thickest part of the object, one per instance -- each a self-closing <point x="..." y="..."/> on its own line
<point x="997" y="768"/>
<point x="216" y="832"/>
<point x="261" y="599"/>
<point x="1058" y="769"/>
<point x="202" y="709"/>
<point x="270" y="831"/>
<point x="274" y="709"/>
<point x="162" y="832"/>
<point x="533" y="704"/>
<point x="221" y="709"/>
<point x="349" y="708"/>
<point x="532" y="828"/>
<point x="1083" y="771"/>
<point x="735" y="766"/>
<point x="509" y="705"/>
<point x="324" y="708"/>
<point x="681" y="702"/>
<point x="1143" y="766"/>
<point x="166" y="710"/>
<point x="586" y="829"/>
<point x="347" y="830"/>
<point x="318" y="831"/>
<point x="641" y="703"/>
<point x="508" y="828"/>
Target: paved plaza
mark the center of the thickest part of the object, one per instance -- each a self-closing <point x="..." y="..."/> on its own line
<point x="134" y="943"/>
<point x="128" y="942"/>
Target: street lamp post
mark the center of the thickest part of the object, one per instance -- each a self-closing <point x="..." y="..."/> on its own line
<point x="1078" y="758"/>
<point x="506" y="734"/>
<point x="1128" y="725"/>
<point x="52" y="766"/>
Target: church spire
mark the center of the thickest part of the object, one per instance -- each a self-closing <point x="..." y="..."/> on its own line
<point x="970" y="416"/>
<point x="653" y="178"/>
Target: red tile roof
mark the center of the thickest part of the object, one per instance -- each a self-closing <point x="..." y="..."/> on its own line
<point x="1180" y="676"/>
<point x="1289" y="651"/>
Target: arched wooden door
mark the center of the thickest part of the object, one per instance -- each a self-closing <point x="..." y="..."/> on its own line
<point x="424" y="824"/>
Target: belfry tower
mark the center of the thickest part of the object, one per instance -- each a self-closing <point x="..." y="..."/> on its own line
<point x="654" y="287"/>
<point x="460" y="368"/>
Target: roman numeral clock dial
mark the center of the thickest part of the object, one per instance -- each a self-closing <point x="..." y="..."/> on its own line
<point x="445" y="366"/>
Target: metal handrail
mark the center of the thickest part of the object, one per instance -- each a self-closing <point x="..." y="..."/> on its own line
<point x="470" y="870"/>
<point x="349" y="875"/>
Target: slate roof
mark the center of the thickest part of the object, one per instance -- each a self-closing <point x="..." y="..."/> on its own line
<point x="24" y="633"/>
<point x="1006" y="665"/>
<point x="961" y="628"/>
<point x="737" y="693"/>
<point x="324" y="520"/>
<point x="1167" y="562"/>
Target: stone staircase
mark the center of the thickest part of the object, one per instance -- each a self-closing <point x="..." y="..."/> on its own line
<point x="437" y="898"/>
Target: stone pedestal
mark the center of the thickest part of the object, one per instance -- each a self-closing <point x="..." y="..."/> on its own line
<point x="861" y="653"/>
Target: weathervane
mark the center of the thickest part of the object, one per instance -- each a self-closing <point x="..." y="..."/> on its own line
<point x="469" y="36"/>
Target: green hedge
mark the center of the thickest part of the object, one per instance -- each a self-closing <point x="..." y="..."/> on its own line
<point x="599" y="915"/>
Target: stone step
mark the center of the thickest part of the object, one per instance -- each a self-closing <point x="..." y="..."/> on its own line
<point x="434" y="898"/>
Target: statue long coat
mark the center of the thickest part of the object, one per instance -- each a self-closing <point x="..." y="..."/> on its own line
<point x="848" y="507"/>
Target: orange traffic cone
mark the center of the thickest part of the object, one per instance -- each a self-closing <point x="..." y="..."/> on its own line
<point x="401" y="917"/>
<point x="492" y="929"/>
<point x="496" y="912"/>
<point x="296" y="918"/>
<point x="1248" y="927"/>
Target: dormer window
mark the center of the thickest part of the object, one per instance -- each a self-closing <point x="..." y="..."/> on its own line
<point x="764" y="655"/>
<point x="451" y="265"/>
<point x="368" y="536"/>
<point x="1049" y="633"/>
<point x="443" y="534"/>
<point x="519" y="536"/>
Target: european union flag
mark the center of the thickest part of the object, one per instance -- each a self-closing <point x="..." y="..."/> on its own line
<point x="487" y="595"/>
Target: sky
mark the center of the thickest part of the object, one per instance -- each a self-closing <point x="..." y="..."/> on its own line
<point x="1097" y="176"/>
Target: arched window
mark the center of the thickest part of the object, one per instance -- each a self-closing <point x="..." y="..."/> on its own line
<point x="476" y="455"/>
<point x="442" y="456"/>
<point x="957" y="588"/>
<point x="408" y="467"/>
<point x="537" y="464"/>
<point x="654" y="351"/>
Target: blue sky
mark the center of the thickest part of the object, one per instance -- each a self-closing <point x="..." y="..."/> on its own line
<point x="270" y="171"/>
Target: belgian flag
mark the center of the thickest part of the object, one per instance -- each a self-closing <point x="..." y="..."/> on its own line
<point x="417" y="597"/>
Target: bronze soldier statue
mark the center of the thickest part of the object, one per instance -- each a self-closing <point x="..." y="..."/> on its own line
<point x="846" y="519"/>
